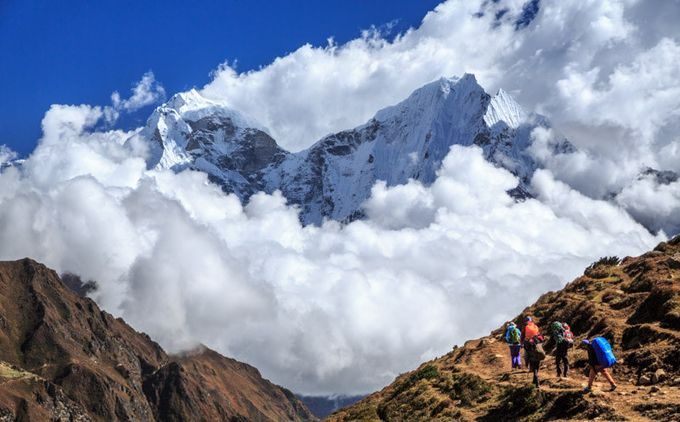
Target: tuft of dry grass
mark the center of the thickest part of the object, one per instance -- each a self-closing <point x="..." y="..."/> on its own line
<point x="8" y="372"/>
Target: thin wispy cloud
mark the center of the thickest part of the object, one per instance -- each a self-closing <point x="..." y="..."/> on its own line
<point x="144" y="93"/>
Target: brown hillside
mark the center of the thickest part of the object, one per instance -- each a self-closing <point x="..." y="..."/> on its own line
<point x="635" y="304"/>
<point x="62" y="358"/>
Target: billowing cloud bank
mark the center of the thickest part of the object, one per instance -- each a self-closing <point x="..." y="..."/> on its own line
<point x="328" y="309"/>
<point x="343" y="309"/>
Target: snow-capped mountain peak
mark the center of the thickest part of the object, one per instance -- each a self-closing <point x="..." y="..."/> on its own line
<point x="188" y="100"/>
<point x="504" y="108"/>
<point x="431" y="98"/>
<point x="192" y="106"/>
<point x="334" y="177"/>
<point x="191" y="131"/>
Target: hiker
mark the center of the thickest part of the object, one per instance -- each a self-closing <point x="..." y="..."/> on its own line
<point x="530" y="329"/>
<point x="528" y="332"/>
<point x="534" y="355"/>
<point x="600" y="357"/>
<point x="513" y="337"/>
<point x="561" y="334"/>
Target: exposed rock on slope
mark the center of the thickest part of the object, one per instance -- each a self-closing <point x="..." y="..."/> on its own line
<point x="61" y="358"/>
<point x="635" y="304"/>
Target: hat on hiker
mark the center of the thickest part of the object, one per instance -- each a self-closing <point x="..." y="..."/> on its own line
<point x="528" y="319"/>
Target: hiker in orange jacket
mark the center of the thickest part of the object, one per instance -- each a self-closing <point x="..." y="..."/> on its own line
<point x="529" y="331"/>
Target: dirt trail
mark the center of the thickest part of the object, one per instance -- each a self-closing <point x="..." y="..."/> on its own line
<point x="627" y="396"/>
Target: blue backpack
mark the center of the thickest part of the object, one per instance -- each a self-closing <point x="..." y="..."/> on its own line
<point x="603" y="351"/>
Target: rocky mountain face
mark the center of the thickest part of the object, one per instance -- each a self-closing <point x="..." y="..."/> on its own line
<point x="333" y="177"/>
<point x="634" y="303"/>
<point x="62" y="358"/>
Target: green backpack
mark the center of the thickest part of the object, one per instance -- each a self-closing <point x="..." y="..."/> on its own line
<point x="557" y="332"/>
<point x="515" y="335"/>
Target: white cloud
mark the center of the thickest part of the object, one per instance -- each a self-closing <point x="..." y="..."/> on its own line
<point x="657" y="205"/>
<point x="146" y="92"/>
<point x="642" y="96"/>
<point x="6" y="154"/>
<point x="331" y="309"/>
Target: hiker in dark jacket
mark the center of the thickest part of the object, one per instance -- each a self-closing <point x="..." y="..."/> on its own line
<point x="513" y="338"/>
<point x="595" y="367"/>
<point x="534" y="355"/>
<point x="560" y="333"/>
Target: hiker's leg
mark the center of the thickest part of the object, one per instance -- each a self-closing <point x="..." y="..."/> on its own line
<point x="515" y="353"/>
<point x="534" y="368"/>
<point x="516" y="358"/>
<point x="527" y="363"/>
<point x="558" y="361"/>
<point x="607" y="375"/>
<point x="566" y="365"/>
<point x="591" y="377"/>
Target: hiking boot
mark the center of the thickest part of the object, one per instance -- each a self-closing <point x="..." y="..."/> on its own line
<point x="613" y="387"/>
<point x="586" y="390"/>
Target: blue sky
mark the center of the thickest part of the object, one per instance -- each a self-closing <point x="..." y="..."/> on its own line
<point x="74" y="52"/>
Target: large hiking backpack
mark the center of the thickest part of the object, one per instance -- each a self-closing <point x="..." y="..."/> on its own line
<point x="530" y="330"/>
<point x="535" y="349"/>
<point x="514" y="335"/>
<point x="557" y="332"/>
<point x="603" y="351"/>
<point x="538" y="353"/>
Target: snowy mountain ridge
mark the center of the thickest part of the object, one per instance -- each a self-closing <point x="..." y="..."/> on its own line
<point x="334" y="177"/>
<point x="504" y="108"/>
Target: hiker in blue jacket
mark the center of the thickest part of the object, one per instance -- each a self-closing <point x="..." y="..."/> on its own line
<point x="595" y="367"/>
<point x="513" y="338"/>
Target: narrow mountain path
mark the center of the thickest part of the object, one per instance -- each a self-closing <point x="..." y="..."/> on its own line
<point x="494" y="367"/>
